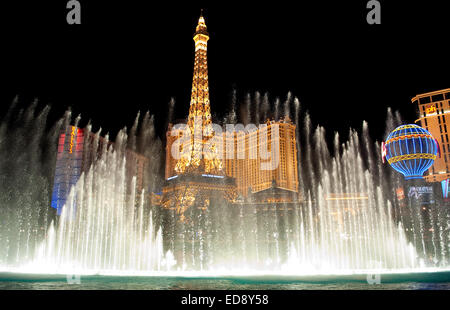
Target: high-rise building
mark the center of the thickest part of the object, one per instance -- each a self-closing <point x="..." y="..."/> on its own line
<point x="78" y="148"/>
<point x="434" y="115"/>
<point x="244" y="158"/>
<point x="247" y="160"/>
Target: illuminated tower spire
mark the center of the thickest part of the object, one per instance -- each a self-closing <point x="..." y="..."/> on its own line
<point x="200" y="156"/>
<point x="200" y="90"/>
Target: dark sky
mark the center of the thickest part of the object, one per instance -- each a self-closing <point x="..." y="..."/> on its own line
<point x="133" y="55"/>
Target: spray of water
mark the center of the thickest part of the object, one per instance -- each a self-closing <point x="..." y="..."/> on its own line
<point x="346" y="222"/>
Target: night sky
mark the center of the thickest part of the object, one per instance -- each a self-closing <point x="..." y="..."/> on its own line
<point x="128" y="56"/>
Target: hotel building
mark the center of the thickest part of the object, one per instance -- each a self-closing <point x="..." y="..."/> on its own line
<point x="78" y="149"/>
<point x="238" y="157"/>
<point x="434" y="116"/>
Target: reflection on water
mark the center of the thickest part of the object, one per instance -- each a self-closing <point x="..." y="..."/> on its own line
<point x="424" y="281"/>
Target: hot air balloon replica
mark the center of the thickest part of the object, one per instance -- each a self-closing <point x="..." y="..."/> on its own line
<point x="410" y="150"/>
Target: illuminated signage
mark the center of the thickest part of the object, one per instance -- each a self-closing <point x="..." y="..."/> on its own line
<point x="213" y="176"/>
<point x="431" y="109"/>
<point x="400" y="193"/>
<point x="383" y="151"/>
<point x="422" y="194"/>
<point x="72" y="136"/>
<point x="444" y="185"/>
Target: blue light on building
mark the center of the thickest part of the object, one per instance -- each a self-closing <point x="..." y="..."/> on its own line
<point x="68" y="166"/>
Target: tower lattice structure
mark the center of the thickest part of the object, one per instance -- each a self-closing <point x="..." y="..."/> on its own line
<point x="199" y="153"/>
<point x="199" y="176"/>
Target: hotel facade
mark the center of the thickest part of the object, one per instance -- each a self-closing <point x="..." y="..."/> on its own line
<point x="238" y="163"/>
<point x="434" y="116"/>
<point x="78" y="149"/>
<point x="245" y="158"/>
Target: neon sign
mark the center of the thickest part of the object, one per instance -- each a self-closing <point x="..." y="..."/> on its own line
<point x="431" y="109"/>
<point x="72" y="136"/>
<point x="213" y="176"/>
<point x="423" y="194"/>
<point x="444" y="185"/>
<point x="400" y="193"/>
<point x="383" y="151"/>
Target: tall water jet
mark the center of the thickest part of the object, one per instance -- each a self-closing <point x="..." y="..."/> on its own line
<point x="257" y="107"/>
<point x="247" y="117"/>
<point x="171" y="110"/>
<point x="105" y="224"/>
<point x="27" y="151"/>
<point x="342" y="223"/>
<point x="265" y="106"/>
<point x="232" y="115"/>
<point x="287" y="108"/>
<point x="298" y="139"/>
<point x="276" y="114"/>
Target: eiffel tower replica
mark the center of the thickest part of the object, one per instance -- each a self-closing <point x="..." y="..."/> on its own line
<point x="200" y="177"/>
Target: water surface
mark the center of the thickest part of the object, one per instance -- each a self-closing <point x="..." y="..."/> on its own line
<point x="413" y="281"/>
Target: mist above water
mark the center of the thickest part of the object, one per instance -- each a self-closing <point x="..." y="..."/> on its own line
<point x="108" y="226"/>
